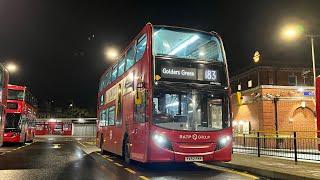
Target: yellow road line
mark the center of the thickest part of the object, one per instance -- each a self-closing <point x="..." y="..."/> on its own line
<point x="144" y="178"/>
<point x="109" y="159"/>
<point x="117" y="164"/>
<point x="82" y="144"/>
<point x="130" y="170"/>
<point x="226" y="170"/>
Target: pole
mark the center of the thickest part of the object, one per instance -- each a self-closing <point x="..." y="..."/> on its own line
<point x="275" y="101"/>
<point x="313" y="61"/>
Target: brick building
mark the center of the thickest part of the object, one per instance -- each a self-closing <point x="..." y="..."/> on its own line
<point x="274" y="98"/>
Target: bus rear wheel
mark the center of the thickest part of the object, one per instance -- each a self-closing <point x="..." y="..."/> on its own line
<point x="102" y="152"/>
<point x="126" y="151"/>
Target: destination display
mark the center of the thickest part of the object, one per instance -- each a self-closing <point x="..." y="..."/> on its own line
<point x="189" y="73"/>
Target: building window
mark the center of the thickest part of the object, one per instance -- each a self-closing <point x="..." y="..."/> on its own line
<point x="292" y="80"/>
<point x="239" y="87"/>
<point x="249" y="83"/>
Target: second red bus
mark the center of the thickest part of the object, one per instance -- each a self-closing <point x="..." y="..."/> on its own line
<point x="21" y="115"/>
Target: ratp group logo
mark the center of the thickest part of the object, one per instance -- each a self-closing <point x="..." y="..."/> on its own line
<point x="194" y="137"/>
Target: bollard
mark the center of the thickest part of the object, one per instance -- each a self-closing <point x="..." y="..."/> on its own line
<point x="295" y="146"/>
<point x="258" y="143"/>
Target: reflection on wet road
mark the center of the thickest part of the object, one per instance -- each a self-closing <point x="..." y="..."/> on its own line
<point x="60" y="158"/>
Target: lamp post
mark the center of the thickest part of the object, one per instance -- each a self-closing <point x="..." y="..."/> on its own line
<point x="291" y="32"/>
<point x="313" y="57"/>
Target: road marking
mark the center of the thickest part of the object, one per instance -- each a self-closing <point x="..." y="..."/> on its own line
<point x="8" y="151"/>
<point x="109" y="159"/>
<point x="56" y="146"/>
<point x="144" y="178"/>
<point x="226" y="170"/>
<point x="130" y="170"/>
<point x="19" y="148"/>
<point x="82" y="144"/>
<point x="2" y="153"/>
<point x="105" y="156"/>
<point x="117" y="164"/>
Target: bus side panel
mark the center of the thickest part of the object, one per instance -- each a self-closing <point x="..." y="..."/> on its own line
<point x="2" y="121"/>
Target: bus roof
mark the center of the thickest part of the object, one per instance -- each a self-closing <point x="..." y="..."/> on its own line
<point x="16" y="87"/>
<point x="151" y="25"/>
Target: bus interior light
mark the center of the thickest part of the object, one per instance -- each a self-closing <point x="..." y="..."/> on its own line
<point x="184" y="45"/>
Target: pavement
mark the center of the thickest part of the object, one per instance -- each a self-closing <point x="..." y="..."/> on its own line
<point x="56" y="157"/>
<point x="274" y="168"/>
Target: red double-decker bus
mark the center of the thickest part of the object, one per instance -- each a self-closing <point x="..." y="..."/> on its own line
<point x="166" y="99"/>
<point x="21" y="115"/>
<point x="4" y="79"/>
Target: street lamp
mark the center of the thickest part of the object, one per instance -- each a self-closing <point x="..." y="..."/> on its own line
<point x="291" y="32"/>
<point x="12" y="68"/>
<point x="256" y="57"/>
<point x="111" y="53"/>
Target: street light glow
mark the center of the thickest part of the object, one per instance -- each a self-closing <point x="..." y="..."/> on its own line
<point x="291" y="32"/>
<point x="12" y="67"/>
<point x="111" y="53"/>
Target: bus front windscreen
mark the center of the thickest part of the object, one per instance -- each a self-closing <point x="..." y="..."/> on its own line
<point x="186" y="44"/>
<point x="190" y="111"/>
<point x="15" y="94"/>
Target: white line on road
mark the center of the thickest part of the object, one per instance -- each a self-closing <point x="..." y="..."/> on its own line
<point x="226" y="170"/>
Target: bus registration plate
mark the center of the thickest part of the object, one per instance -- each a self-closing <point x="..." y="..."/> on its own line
<point x="194" y="159"/>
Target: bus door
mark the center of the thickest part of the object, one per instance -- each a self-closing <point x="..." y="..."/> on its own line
<point x="127" y="113"/>
<point x="139" y="132"/>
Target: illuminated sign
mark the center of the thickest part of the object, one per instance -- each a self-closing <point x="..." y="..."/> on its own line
<point x="210" y="75"/>
<point x="190" y="74"/>
<point x="179" y="73"/>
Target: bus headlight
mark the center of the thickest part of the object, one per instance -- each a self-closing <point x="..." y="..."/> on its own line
<point x="222" y="142"/>
<point x="161" y="141"/>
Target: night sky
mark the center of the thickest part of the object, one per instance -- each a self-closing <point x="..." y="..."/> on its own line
<point x="58" y="59"/>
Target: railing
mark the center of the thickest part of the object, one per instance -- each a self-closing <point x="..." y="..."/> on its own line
<point x="294" y="145"/>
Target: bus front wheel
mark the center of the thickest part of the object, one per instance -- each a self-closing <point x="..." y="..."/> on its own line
<point x="126" y="150"/>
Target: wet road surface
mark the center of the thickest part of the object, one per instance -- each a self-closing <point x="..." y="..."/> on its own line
<point x="68" y="158"/>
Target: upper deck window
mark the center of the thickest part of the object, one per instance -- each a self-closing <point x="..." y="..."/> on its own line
<point x="114" y="72"/>
<point x="141" y="46"/>
<point x="15" y="94"/>
<point x="130" y="57"/>
<point x="121" y="67"/>
<point x="186" y="44"/>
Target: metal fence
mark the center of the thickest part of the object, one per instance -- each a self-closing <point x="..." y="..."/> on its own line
<point x="294" y="145"/>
